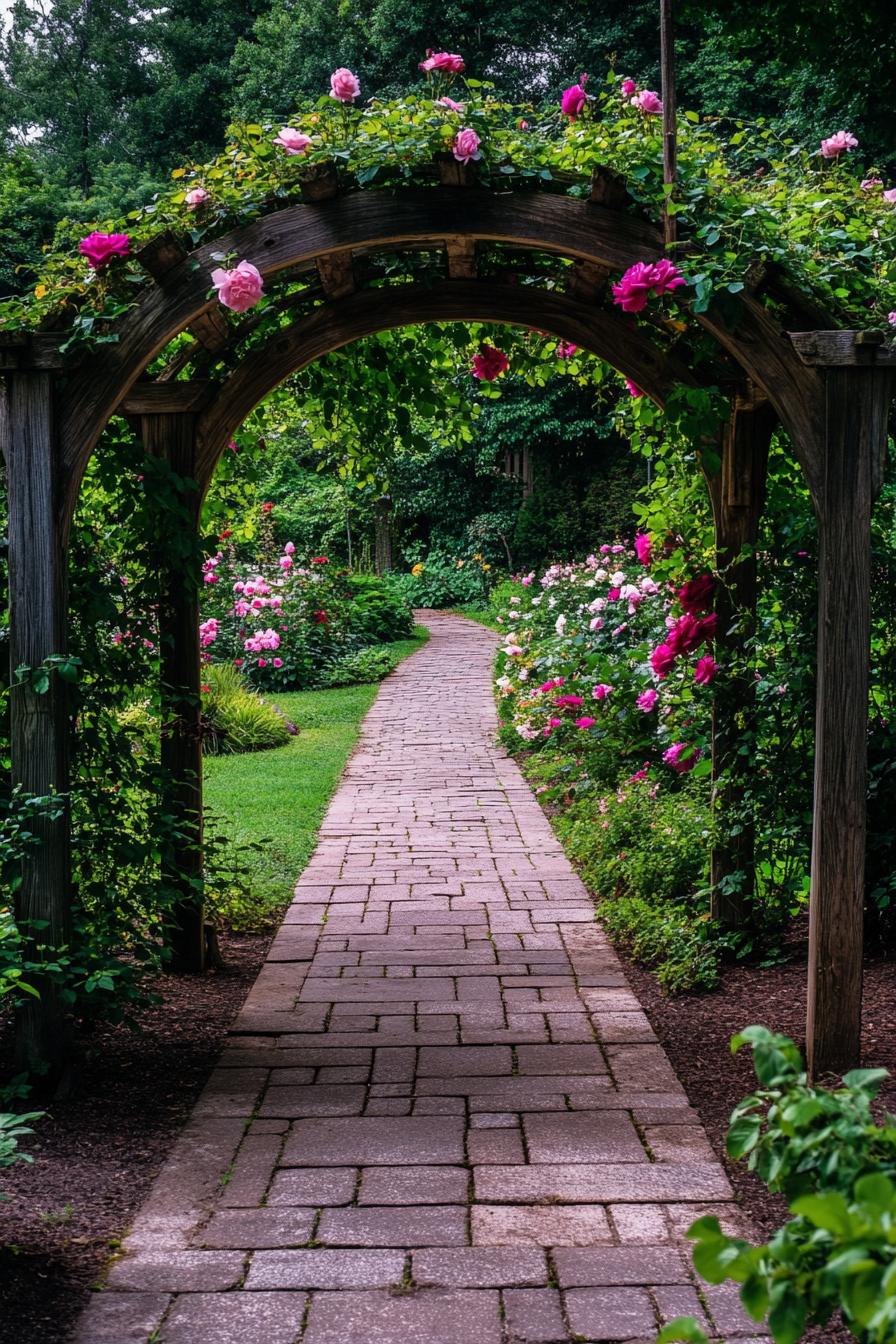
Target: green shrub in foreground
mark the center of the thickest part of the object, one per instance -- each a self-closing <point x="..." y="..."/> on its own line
<point x="822" y="1150"/>
<point x="236" y="718"/>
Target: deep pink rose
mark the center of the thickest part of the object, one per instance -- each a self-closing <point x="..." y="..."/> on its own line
<point x="574" y="99"/>
<point x="566" y="349"/>
<point x="662" y="660"/>
<point x="101" y="248"/>
<point x="647" y="699"/>
<point x="891" y="318"/>
<point x="344" y="86"/>
<point x="585" y="722"/>
<point x="240" y="288"/>
<point x="466" y="146"/>
<point x="708" y="628"/>
<point x="633" y="388"/>
<point x="197" y="197"/>
<point x="293" y="141"/>
<point x="696" y="595"/>
<point x="639" y="281"/>
<point x="569" y="701"/>
<point x="489" y="363"/>
<point x="628" y="88"/>
<point x="601" y="691"/>
<point x="705" y="669"/>
<point x="643" y="548"/>
<point x="682" y="758"/>
<point x="838" y="144"/>
<point x="648" y="102"/>
<point x="613" y="594"/>
<point x="443" y="62"/>
<point x="684" y="635"/>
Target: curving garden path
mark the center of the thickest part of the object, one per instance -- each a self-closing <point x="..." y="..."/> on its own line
<point x="441" y="1116"/>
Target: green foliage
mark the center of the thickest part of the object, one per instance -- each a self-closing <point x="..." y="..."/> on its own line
<point x="12" y="1129"/>
<point x="379" y="614"/>
<point x="235" y="717"/>
<point x="822" y="1149"/>
<point x="684" y="951"/>
<point x="445" y="580"/>
<point x="359" y="668"/>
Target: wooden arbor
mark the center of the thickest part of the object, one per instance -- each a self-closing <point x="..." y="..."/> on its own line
<point x="528" y="259"/>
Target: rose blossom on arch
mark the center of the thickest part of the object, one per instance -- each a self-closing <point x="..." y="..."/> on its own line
<point x="681" y="757"/>
<point x="566" y="349"/>
<point x="647" y="700"/>
<point x="574" y="99"/>
<point x="101" y="248"/>
<point x="344" y="86"/>
<point x="293" y="141"/>
<point x="643" y="548"/>
<point x="705" y="669"/>
<point x="197" y="197"/>
<point x="240" y="288"/>
<point x="466" y="146"/>
<point x="633" y="290"/>
<point x="648" y="102"/>
<point x="696" y="595"/>
<point x="633" y="389"/>
<point x="839" y="143"/>
<point x="442" y="62"/>
<point x="489" y="363"/>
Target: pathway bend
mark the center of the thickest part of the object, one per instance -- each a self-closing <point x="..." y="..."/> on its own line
<point x="441" y="1116"/>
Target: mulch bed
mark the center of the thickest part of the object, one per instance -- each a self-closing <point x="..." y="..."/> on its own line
<point x="97" y="1154"/>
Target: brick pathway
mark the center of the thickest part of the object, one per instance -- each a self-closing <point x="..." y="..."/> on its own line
<point x="441" y="1116"/>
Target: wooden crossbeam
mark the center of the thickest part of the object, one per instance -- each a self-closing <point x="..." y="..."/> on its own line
<point x="586" y="281"/>
<point x="31" y="350"/>
<point x="166" y="398"/>
<point x="833" y="349"/>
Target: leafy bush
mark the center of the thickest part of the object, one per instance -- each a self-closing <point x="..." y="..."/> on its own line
<point x="443" y="580"/>
<point x="236" y="718"/>
<point x="822" y="1149"/>
<point x="13" y="1128"/>
<point x="683" y="950"/>
<point x="356" y="668"/>
<point x="378" y="611"/>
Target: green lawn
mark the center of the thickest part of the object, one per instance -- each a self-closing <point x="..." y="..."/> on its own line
<point x="278" y="798"/>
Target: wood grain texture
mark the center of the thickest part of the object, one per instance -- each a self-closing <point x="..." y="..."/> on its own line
<point x="857" y="407"/>
<point x="39" y="723"/>
<point x="172" y="436"/>
<point x="831" y="349"/>
<point x="338" y="324"/>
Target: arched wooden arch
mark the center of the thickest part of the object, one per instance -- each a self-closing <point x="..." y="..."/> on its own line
<point x="830" y="389"/>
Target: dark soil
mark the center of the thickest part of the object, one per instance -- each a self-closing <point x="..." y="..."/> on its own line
<point x="98" y="1151"/>
<point x="695" y="1030"/>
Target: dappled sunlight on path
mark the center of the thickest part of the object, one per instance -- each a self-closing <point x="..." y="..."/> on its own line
<point x="441" y="1116"/>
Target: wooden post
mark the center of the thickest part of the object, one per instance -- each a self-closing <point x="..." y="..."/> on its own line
<point x="39" y="723"/>
<point x="857" y="405"/>
<point x="738" y="498"/>
<point x="172" y="436"/>
<point x="382" y="524"/>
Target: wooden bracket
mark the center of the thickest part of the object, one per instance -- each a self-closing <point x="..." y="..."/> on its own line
<point x="461" y="253"/>
<point x="162" y="254"/>
<point x="451" y="173"/>
<point x="321" y="184"/>
<point x="337" y="274"/>
<point x="586" y="281"/>
<point x="837" y="349"/>
<point x="166" y="398"/>
<point x="609" y="189"/>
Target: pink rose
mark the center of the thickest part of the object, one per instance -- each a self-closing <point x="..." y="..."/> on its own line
<point x="197" y="197"/>
<point x="566" y="349"/>
<point x="289" y="548"/>
<point x="647" y="699"/>
<point x="489" y="363"/>
<point x="634" y="289"/>
<point x="466" y="146"/>
<point x="838" y="144"/>
<point x="240" y="288"/>
<point x="585" y="722"/>
<point x="684" y="635"/>
<point x="633" y="388"/>
<point x="681" y="758"/>
<point x="101" y="248"/>
<point x="871" y="183"/>
<point x="696" y="595"/>
<point x="601" y="691"/>
<point x="278" y="662"/>
<point x="442" y="62"/>
<point x="451" y="105"/>
<point x="569" y="701"/>
<point x="662" y="660"/>
<point x="294" y="142"/>
<point x="286" y="562"/>
<point x="344" y="86"/>
<point x="574" y="99"/>
<point x="643" y="548"/>
<point x="648" y="102"/>
<point x="891" y="318"/>
<point x="628" y="87"/>
<point x="705" y="669"/>
<point x="890" y="196"/>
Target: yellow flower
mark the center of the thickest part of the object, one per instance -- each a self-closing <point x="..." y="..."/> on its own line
<point x="486" y="567"/>
<point x="417" y="569"/>
<point x="478" y="555"/>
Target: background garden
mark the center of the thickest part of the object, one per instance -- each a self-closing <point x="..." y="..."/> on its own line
<point x="503" y="474"/>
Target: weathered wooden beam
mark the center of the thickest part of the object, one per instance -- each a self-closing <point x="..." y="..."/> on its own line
<point x="172" y="436"/>
<point x="462" y="261"/>
<point x="39" y="722"/>
<point x="162" y="254"/>
<point x="31" y="350"/>
<point x="834" y="349"/>
<point x="211" y="330"/>
<point x="586" y="281"/>
<point x="452" y="173"/>
<point x="176" y="398"/>
<point x="337" y="275"/>
<point x="857" y="406"/>
<point x="738" y="498"/>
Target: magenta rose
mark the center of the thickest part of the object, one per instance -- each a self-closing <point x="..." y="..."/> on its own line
<point x="628" y="88"/>
<point x="681" y="758"/>
<point x="705" y="669"/>
<point x="573" y="99"/>
<point x="442" y="62"/>
<point x="294" y="142"/>
<point x="240" y="288"/>
<point x="634" y="289"/>
<point x="633" y="389"/>
<point x="101" y="248"/>
<point x="466" y="146"/>
<point x="647" y="699"/>
<point x="662" y="660"/>
<point x="344" y="86"/>
<point x="696" y="595"/>
<point x="643" y="548"/>
<point x="838" y="144"/>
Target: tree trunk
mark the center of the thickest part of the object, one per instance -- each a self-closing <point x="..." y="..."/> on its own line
<point x="382" y="520"/>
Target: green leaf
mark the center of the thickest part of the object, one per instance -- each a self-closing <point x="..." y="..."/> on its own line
<point x="742" y="1135"/>
<point x="830" y="1212"/>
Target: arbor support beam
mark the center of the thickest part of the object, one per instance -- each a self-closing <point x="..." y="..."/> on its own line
<point x="172" y="437"/>
<point x="857" y="403"/>
<point x="39" y="722"/>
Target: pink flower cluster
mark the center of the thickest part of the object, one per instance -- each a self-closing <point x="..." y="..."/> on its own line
<point x="263" y="639"/>
<point x="208" y="632"/>
<point x="643" y="279"/>
<point x="209" y="566"/>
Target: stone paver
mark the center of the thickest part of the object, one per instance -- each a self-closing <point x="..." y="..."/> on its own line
<point x="440" y="1020"/>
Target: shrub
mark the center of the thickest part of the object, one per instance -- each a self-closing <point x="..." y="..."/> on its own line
<point x="357" y="668"/>
<point x="13" y="1128"/>
<point x="236" y="718"/>
<point x="378" y="611"/>
<point x="443" y="580"/>
<point x="823" y="1151"/>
